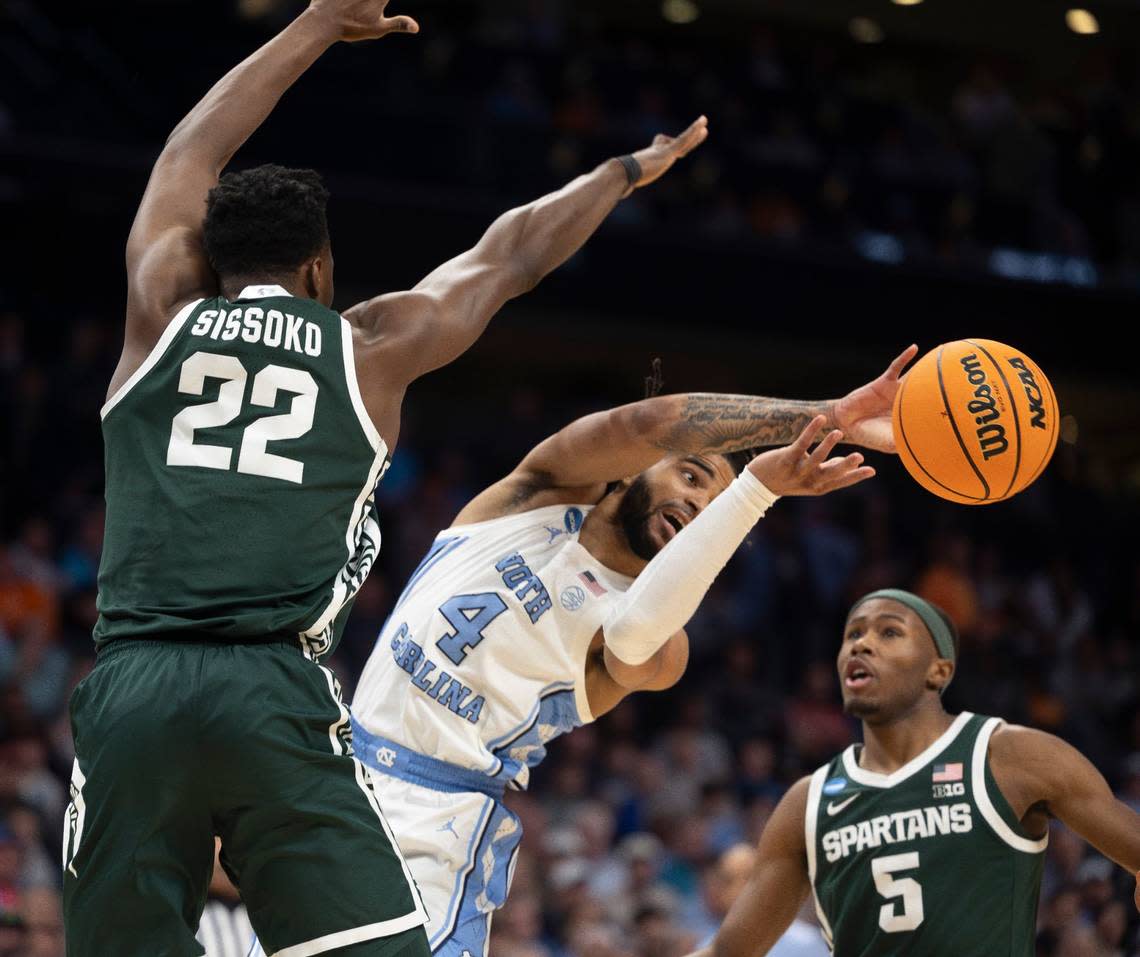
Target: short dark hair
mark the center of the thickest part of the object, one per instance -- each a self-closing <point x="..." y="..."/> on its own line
<point x="738" y="460"/>
<point x="264" y="220"/>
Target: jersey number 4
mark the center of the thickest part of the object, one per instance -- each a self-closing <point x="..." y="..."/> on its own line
<point x="883" y="870"/>
<point x="468" y="615"/>
<point x="253" y="459"/>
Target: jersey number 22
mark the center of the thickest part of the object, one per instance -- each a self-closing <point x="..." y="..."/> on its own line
<point x="253" y="459"/>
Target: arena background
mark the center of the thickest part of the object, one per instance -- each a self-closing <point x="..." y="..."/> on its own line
<point x="876" y="174"/>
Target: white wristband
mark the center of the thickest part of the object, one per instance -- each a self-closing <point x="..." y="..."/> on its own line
<point x="671" y="587"/>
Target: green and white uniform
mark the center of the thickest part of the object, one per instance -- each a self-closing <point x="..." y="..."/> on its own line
<point x="241" y="472"/>
<point x="929" y="860"/>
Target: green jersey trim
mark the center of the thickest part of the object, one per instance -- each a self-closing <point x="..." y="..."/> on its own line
<point x="876" y="780"/>
<point x="168" y="334"/>
<point x="366" y="423"/>
<point x="811" y="822"/>
<point x="362" y="542"/>
<point x="985" y="804"/>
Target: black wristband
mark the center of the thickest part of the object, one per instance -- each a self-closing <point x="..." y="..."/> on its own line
<point x="632" y="169"/>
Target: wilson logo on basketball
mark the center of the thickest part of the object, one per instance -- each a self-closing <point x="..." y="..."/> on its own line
<point x="1033" y="393"/>
<point x="984" y="408"/>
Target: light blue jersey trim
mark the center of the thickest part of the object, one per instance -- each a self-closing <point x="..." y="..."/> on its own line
<point x="506" y="740"/>
<point x="556" y="706"/>
<point x="388" y="757"/>
<point x="454" y="905"/>
<point x="440" y="548"/>
<point x="481" y="892"/>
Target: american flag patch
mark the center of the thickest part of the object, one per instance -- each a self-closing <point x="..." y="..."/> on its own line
<point x="596" y="588"/>
<point x="947" y="772"/>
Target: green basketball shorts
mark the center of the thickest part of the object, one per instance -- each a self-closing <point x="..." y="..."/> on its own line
<point x="178" y="741"/>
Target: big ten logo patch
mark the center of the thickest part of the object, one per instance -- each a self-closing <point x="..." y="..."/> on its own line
<point x="957" y="789"/>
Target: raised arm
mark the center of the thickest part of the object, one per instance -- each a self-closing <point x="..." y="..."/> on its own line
<point x="611" y="445"/>
<point x="1035" y="770"/>
<point x="166" y="260"/>
<point x="430" y="325"/>
<point x="779" y="883"/>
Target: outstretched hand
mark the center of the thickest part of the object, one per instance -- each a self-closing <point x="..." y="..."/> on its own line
<point x="794" y="470"/>
<point x="353" y="20"/>
<point x="664" y="151"/>
<point x="864" y="414"/>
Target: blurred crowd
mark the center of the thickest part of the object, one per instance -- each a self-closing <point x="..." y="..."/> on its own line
<point x="930" y="154"/>
<point x="638" y="830"/>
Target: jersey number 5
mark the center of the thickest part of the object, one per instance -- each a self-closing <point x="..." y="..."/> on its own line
<point x="253" y="459"/>
<point x="882" y="869"/>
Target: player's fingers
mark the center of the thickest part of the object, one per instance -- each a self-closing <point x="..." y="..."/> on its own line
<point x="840" y="464"/>
<point x="807" y="436"/>
<point x="854" y="477"/>
<point x="823" y="450"/>
<point x="400" y="25"/>
<point x="688" y="147"/>
<point x="894" y="370"/>
<point x="694" y="134"/>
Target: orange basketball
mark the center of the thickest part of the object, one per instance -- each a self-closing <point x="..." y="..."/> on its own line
<point x="975" y="421"/>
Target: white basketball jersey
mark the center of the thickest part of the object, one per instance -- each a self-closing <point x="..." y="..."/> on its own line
<point x="482" y="661"/>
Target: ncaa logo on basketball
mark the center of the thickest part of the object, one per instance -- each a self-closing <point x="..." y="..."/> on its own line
<point x="834" y="786"/>
<point x="572" y="598"/>
<point x="1033" y="393"/>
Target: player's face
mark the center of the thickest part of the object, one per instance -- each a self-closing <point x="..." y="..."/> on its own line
<point x="667" y="496"/>
<point x="884" y="660"/>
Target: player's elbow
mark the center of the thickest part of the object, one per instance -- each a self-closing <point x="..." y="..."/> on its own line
<point x="631" y="677"/>
<point x="523" y="275"/>
<point x="514" y="255"/>
<point x="648" y="420"/>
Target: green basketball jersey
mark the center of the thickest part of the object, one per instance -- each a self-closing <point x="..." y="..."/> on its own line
<point x="241" y="474"/>
<point x="929" y="860"/>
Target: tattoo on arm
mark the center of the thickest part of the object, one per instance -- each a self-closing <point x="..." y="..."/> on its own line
<point x="712" y="422"/>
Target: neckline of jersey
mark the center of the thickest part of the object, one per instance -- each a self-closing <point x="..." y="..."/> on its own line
<point x="878" y="780"/>
<point x="263" y="292"/>
<point x="616" y="576"/>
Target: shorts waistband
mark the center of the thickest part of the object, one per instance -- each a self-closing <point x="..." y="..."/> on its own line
<point x="395" y="760"/>
<point x="123" y="644"/>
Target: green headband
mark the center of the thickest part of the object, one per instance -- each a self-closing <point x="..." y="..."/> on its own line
<point x="943" y="640"/>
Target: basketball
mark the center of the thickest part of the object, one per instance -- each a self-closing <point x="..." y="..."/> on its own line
<point x="975" y="421"/>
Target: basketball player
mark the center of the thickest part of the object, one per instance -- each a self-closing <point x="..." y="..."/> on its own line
<point x="553" y="596"/>
<point x="929" y="838"/>
<point x="246" y="428"/>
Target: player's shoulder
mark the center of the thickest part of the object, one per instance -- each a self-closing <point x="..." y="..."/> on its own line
<point x="788" y="826"/>
<point x="1016" y="744"/>
<point x="390" y="321"/>
<point x="516" y="495"/>
<point x="795" y="801"/>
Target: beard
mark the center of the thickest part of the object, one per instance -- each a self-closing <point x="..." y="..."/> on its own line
<point x="633" y="516"/>
<point x="862" y="709"/>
